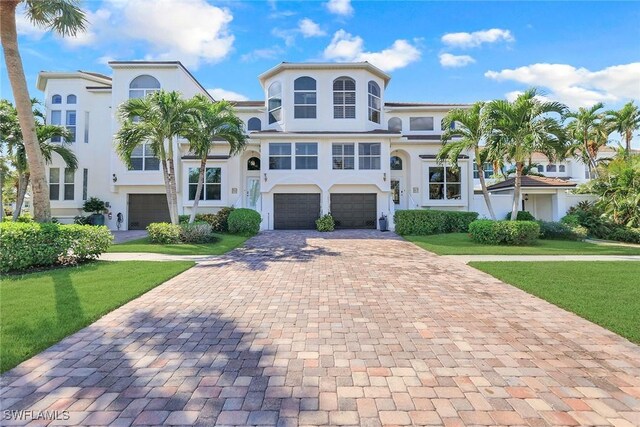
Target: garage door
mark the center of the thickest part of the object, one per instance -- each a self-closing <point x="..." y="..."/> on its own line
<point x="147" y="208"/>
<point x="354" y="210"/>
<point x="296" y="211"/>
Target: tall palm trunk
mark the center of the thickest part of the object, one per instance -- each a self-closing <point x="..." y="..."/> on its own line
<point x="196" y="201"/>
<point x="517" y="190"/>
<point x="627" y="139"/>
<point x="173" y="207"/>
<point x="23" y="185"/>
<point x="483" y="185"/>
<point x="167" y="188"/>
<point x="15" y="70"/>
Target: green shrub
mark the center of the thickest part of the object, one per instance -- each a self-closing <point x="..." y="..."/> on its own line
<point x="198" y="232"/>
<point x="521" y="216"/>
<point x="427" y="221"/>
<point x="218" y="220"/>
<point x="94" y="205"/>
<point x="571" y="220"/>
<point x="27" y="245"/>
<point x="561" y="231"/>
<point x="244" y="221"/>
<point x="163" y="233"/>
<point x="325" y="223"/>
<point x="504" y="232"/>
<point x="625" y="234"/>
<point x="82" y="220"/>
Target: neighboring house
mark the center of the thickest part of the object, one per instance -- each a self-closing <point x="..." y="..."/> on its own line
<point x="324" y="139"/>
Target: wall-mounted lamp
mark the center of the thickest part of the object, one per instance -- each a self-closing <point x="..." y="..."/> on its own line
<point x="526" y="197"/>
<point x="114" y="178"/>
<point x="265" y="177"/>
<point x="384" y="176"/>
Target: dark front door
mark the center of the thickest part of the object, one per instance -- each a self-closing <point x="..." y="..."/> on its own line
<point x="354" y="210"/>
<point x="147" y="208"/>
<point x="296" y="211"/>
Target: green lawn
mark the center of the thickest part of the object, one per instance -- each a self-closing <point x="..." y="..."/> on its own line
<point x="461" y="244"/>
<point x="39" y="309"/>
<point x="604" y="292"/>
<point x="223" y="244"/>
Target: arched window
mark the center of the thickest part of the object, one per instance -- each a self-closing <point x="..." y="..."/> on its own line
<point x="374" y="102"/>
<point x="274" y="102"/>
<point x="56" y="99"/>
<point x="254" y="123"/>
<point x="344" y="98"/>
<point x="395" y="124"/>
<point x="396" y="163"/>
<point x="304" y="98"/>
<point x="142" y="86"/>
<point x="253" y="164"/>
<point x="71" y="99"/>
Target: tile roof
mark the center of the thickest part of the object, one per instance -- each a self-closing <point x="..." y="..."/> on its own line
<point x="533" y="181"/>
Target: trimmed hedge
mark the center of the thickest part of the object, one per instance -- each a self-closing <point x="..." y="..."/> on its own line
<point x="27" y="245"/>
<point x="198" y="232"/>
<point x="244" y="221"/>
<point x="325" y="223"/>
<point x="218" y="220"/>
<point x="521" y="216"/>
<point x="422" y="222"/>
<point x="163" y="233"/>
<point x="491" y="232"/>
<point x="561" y="231"/>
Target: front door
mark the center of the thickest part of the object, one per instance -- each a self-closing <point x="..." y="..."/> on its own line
<point x="252" y="193"/>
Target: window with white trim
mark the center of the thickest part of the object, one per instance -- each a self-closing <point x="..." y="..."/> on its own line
<point x="487" y="168"/>
<point x="56" y="99"/>
<point x="142" y="86"/>
<point x="254" y="124"/>
<point x="375" y="104"/>
<point x="343" y="156"/>
<point x="395" y="124"/>
<point x="279" y="155"/>
<point x="344" y="98"/>
<point x="369" y="155"/>
<point x="85" y="183"/>
<point x="72" y="99"/>
<point x="444" y="183"/>
<point x="304" y="98"/>
<point x="86" y="127"/>
<point x="70" y="121"/>
<point x="420" y="123"/>
<point x="54" y="183"/>
<point x="274" y="102"/>
<point x="212" y="186"/>
<point x="306" y="155"/>
<point x="56" y="119"/>
<point x="144" y="159"/>
<point x="69" y="184"/>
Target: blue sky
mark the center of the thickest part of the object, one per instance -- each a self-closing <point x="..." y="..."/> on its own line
<point x="577" y="52"/>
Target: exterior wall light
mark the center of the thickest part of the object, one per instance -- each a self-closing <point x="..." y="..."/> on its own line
<point x="384" y="176"/>
<point x="114" y="178"/>
<point x="265" y="177"/>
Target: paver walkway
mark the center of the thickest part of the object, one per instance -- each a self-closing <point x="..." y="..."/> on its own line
<point x="347" y="328"/>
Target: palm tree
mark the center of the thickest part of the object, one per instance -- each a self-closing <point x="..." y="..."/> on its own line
<point x="626" y="121"/>
<point x="214" y="121"/>
<point x="467" y="134"/>
<point x="158" y="119"/>
<point x="518" y="129"/>
<point x="63" y="17"/>
<point x="587" y="133"/>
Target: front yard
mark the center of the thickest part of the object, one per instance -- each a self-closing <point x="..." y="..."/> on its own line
<point x="461" y="244"/>
<point x="604" y="292"/>
<point x="223" y="244"/>
<point x="39" y="309"/>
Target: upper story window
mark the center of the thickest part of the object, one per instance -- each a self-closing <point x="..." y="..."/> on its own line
<point x="420" y="123"/>
<point x="395" y="124"/>
<point x="343" y="156"/>
<point x="344" y="98"/>
<point x="253" y="164"/>
<point x="56" y="99"/>
<point x="395" y="163"/>
<point x="444" y="183"/>
<point x="374" y="102"/>
<point x="306" y="155"/>
<point x="56" y="119"/>
<point x="451" y="126"/>
<point x="304" y="98"/>
<point x="556" y="167"/>
<point x="72" y="99"/>
<point x="54" y="183"/>
<point x="71" y="125"/>
<point x="142" y="86"/>
<point x="487" y="168"/>
<point x="144" y="159"/>
<point x="279" y="155"/>
<point x="254" y="124"/>
<point x="274" y="102"/>
<point x="369" y="155"/>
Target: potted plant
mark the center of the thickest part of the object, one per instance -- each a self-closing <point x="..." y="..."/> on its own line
<point x="97" y="207"/>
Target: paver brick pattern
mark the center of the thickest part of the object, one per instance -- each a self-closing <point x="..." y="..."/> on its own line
<point x="344" y="328"/>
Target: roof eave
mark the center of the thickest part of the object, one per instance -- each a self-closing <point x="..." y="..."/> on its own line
<point x="323" y="65"/>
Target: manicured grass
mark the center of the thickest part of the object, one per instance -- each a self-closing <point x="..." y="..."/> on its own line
<point x="223" y="244"/>
<point x="39" y="309"/>
<point x="604" y="292"/>
<point x="461" y="244"/>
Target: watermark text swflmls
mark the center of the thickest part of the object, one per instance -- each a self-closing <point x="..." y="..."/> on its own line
<point x="29" y="415"/>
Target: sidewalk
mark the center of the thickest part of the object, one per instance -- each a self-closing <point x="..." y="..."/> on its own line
<point x="470" y="258"/>
<point x="144" y="256"/>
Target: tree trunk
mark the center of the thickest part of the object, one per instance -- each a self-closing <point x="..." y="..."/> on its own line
<point x="516" y="191"/>
<point x="172" y="185"/>
<point x="23" y="185"/>
<point x="203" y="167"/>
<point x="167" y="188"/>
<point x="628" y="137"/>
<point x="1" y="192"/>
<point x="483" y="185"/>
<point x="15" y="70"/>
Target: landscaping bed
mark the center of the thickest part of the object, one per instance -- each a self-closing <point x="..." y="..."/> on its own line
<point x="39" y="309"/>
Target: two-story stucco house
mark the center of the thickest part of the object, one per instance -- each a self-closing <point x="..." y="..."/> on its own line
<point x="324" y="139"/>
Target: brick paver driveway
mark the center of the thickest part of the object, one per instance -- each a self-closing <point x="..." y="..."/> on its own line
<point x="344" y="329"/>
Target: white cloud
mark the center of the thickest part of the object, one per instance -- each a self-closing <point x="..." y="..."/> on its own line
<point x="288" y="36"/>
<point x="453" y="61"/>
<point x="340" y="7"/>
<point x="308" y="28"/>
<point x="345" y="47"/>
<point x="477" y="38"/>
<point x="577" y="87"/>
<point x="219" y="93"/>
<point x="266" y="53"/>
